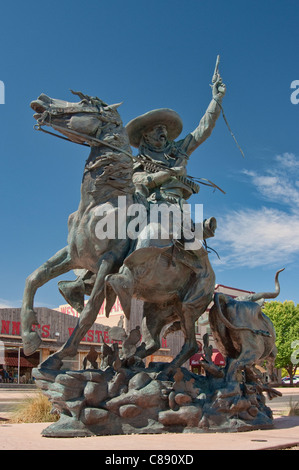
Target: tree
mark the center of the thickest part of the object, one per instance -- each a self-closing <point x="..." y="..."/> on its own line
<point x="285" y="318"/>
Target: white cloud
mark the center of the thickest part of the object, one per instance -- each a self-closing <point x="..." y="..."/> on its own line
<point x="267" y="236"/>
<point x="279" y="183"/>
<point x="4" y="303"/>
<point x="264" y="237"/>
<point x="288" y="160"/>
<point x="10" y="304"/>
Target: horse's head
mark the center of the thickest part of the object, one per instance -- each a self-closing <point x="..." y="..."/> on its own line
<point x="77" y="121"/>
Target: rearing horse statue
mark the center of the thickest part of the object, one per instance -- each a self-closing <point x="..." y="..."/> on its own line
<point x="175" y="284"/>
<point x="107" y="175"/>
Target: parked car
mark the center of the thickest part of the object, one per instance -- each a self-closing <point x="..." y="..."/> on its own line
<point x="287" y="380"/>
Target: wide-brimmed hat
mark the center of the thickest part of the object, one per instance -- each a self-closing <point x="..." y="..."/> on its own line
<point x="138" y="126"/>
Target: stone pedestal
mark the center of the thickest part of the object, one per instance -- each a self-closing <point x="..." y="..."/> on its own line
<point x="139" y="400"/>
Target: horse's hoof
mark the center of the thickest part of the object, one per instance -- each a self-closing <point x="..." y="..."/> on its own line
<point x="31" y="342"/>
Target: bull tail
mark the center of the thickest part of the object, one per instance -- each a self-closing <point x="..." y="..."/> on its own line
<point x="229" y="325"/>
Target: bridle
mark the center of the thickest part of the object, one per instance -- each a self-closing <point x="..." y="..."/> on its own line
<point x="87" y="138"/>
<point x="99" y="142"/>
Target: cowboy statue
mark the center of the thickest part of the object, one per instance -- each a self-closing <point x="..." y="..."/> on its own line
<point x="160" y="169"/>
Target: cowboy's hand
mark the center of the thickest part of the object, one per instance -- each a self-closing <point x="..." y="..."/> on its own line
<point x="218" y="88"/>
<point x="179" y="170"/>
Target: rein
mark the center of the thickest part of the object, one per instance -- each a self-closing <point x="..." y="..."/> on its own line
<point x="204" y="181"/>
<point x="38" y="127"/>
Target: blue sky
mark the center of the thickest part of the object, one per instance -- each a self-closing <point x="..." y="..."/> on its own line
<point x="151" y="54"/>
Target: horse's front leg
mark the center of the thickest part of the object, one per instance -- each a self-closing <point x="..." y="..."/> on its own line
<point x="154" y="319"/>
<point x="60" y="263"/>
<point x="152" y="325"/>
<point x="87" y="317"/>
<point x="190" y="346"/>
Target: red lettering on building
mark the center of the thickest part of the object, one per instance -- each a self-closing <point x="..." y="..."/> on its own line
<point x="95" y="336"/>
<point x="45" y="331"/>
<point x="98" y="336"/>
<point x="106" y="337"/>
<point x="90" y="336"/>
<point x="16" y="328"/>
<point x="5" y="327"/>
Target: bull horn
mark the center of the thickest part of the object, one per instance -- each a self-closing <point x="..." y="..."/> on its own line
<point x="267" y="295"/>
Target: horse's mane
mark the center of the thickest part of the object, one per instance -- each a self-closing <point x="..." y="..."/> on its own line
<point x="113" y="169"/>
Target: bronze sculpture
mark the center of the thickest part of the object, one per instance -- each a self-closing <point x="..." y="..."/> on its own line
<point x="175" y="281"/>
<point x="84" y="249"/>
<point x="243" y="333"/>
<point x="109" y="174"/>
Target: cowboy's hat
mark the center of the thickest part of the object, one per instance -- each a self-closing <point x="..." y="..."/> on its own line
<point x="138" y="126"/>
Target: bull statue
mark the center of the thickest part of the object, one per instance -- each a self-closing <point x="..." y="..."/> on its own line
<point x="243" y="333"/>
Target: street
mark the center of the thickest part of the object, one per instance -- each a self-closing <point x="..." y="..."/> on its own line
<point x="10" y="398"/>
<point x="280" y="405"/>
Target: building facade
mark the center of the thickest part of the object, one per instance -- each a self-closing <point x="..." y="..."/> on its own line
<point x="55" y="327"/>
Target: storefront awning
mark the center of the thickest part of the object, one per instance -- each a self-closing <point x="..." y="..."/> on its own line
<point x="195" y="359"/>
<point x="13" y="362"/>
<point x="218" y="359"/>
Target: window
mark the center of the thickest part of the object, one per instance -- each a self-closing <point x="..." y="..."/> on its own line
<point x="15" y="367"/>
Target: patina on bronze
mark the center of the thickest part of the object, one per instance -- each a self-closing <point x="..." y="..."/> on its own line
<point x="175" y="283"/>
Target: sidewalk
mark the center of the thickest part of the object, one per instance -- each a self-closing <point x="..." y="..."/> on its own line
<point x="28" y="437"/>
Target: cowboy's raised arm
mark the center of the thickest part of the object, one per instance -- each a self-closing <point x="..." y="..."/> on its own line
<point x="208" y="121"/>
